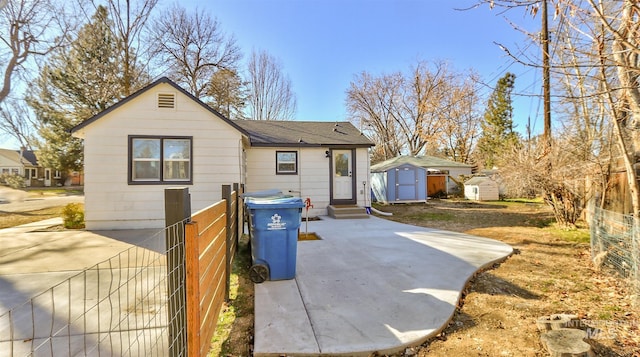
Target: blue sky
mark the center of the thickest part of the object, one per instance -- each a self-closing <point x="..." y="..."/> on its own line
<point x="322" y="44"/>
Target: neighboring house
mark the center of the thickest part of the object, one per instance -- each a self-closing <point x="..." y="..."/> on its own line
<point x="414" y="178"/>
<point x="161" y="136"/>
<point x="25" y="163"/>
<point x="481" y="188"/>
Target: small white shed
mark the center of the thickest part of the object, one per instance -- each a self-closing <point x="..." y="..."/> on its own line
<point x="481" y="188"/>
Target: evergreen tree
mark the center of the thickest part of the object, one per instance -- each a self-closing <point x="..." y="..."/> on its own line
<point x="498" y="135"/>
<point x="76" y="83"/>
<point x="226" y="89"/>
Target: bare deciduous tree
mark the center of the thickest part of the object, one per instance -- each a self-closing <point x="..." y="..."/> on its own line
<point x="461" y="129"/>
<point x="29" y="28"/>
<point x="15" y="121"/>
<point x="270" y="96"/>
<point x="369" y="102"/>
<point x="411" y="114"/>
<point x="596" y="48"/>
<point x="192" y="46"/>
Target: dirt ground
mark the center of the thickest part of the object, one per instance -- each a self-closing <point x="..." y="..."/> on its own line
<point x="551" y="272"/>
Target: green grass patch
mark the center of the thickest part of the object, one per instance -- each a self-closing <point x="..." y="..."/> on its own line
<point x="576" y="235"/>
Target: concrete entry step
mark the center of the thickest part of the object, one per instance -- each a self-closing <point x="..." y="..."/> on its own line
<point x="347" y="212"/>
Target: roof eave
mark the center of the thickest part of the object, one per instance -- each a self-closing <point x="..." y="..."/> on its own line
<point x="145" y="89"/>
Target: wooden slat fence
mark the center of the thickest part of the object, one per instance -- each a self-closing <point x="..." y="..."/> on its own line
<point x="205" y="247"/>
<point x="210" y="245"/>
<point x="235" y="210"/>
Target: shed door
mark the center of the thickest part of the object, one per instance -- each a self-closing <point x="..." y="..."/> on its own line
<point x="406" y="181"/>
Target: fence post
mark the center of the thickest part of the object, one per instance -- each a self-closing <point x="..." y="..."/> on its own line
<point x="177" y="210"/>
<point x="237" y="188"/>
<point x="226" y="195"/>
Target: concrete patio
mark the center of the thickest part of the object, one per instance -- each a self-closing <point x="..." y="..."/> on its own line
<point x="370" y="285"/>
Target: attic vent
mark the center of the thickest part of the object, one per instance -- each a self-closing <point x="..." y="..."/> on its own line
<point x="166" y="100"/>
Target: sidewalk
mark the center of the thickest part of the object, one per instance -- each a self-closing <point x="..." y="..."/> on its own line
<point x="369" y="285"/>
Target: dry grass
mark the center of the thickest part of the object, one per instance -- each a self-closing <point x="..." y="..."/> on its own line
<point x="12" y="219"/>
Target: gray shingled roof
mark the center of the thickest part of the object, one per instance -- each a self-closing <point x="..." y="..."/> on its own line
<point x="477" y="180"/>
<point x="267" y="133"/>
<point x="427" y="162"/>
<point x="302" y="133"/>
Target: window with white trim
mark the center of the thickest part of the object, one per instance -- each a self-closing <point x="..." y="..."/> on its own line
<point x="286" y="162"/>
<point x="30" y="173"/>
<point x="154" y="160"/>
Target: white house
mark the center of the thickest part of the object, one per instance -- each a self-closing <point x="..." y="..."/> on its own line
<point x="481" y="188"/>
<point x="25" y="163"/>
<point x="162" y="136"/>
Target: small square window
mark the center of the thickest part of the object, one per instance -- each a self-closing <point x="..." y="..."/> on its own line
<point x="286" y="162"/>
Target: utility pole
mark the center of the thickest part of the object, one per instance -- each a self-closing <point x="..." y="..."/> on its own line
<point x="546" y="85"/>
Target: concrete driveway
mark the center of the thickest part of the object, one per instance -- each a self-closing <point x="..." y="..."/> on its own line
<point x="370" y="285"/>
<point x="51" y="304"/>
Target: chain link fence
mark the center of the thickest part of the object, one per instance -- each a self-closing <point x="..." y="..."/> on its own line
<point x="615" y="245"/>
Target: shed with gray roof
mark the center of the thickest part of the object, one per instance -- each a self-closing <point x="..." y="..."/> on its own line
<point x="415" y="178"/>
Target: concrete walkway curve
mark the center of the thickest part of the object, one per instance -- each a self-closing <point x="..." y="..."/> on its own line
<point x="370" y="285"/>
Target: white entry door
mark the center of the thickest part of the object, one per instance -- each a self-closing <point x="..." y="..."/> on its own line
<point x="47" y="177"/>
<point x="342" y="175"/>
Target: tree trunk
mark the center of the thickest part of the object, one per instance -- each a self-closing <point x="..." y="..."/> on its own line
<point x="625" y="58"/>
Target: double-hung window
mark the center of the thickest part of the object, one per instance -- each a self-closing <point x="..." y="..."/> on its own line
<point x="286" y="162"/>
<point x="155" y="160"/>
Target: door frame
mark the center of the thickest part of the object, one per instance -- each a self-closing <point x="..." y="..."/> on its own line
<point x="354" y="178"/>
<point x="47" y="177"/>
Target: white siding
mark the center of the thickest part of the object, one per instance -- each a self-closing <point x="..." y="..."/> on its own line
<point x="486" y="190"/>
<point x="111" y="203"/>
<point x="312" y="180"/>
<point x="363" y="181"/>
<point x="456" y="172"/>
<point x="471" y="192"/>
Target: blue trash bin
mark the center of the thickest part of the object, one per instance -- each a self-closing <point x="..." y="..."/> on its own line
<point x="274" y="224"/>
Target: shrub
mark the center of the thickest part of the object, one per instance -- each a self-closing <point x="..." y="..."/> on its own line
<point x="73" y="216"/>
<point x="12" y="180"/>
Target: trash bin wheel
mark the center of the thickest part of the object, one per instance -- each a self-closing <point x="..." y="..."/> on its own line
<point x="259" y="273"/>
